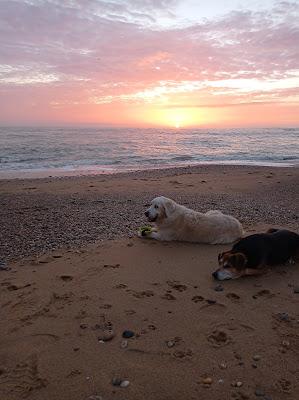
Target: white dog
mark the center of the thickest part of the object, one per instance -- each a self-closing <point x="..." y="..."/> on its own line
<point x="176" y="222"/>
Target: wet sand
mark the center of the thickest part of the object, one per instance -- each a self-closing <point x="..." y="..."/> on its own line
<point x="190" y="341"/>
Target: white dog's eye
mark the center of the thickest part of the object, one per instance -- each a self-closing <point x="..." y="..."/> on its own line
<point x="156" y="206"/>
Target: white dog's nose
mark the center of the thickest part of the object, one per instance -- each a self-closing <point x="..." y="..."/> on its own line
<point x="146" y="213"/>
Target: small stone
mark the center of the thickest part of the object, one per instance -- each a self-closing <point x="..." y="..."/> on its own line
<point x="239" y="384"/>
<point x="128" y="334"/>
<point x="124" y="384"/>
<point x="170" y="343"/>
<point x="124" y="344"/>
<point x="116" y="381"/>
<point x="256" y="357"/>
<point x="76" y="348"/>
<point x="106" y="335"/>
<point x="254" y="365"/>
<point x="283" y="316"/>
<point x="219" y="288"/>
<point x="220" y="381"/>
<point x="209" y="301"/>
<point x="95" y="397"/>
<point x="223" y="365"/>
<point x="259" y="393"/>
<point x="286" y="343"/>
<point x="83" y="326"/>
<point x="296" y="289"/>
<point x="207" y="381"/>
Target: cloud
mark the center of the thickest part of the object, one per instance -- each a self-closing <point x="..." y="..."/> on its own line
<point x="116" y="51"/>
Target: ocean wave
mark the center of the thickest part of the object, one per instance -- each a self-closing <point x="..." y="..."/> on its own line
<point x="117" y="149"/>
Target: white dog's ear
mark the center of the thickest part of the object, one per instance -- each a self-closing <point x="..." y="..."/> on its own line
<point x="169" y="207"/>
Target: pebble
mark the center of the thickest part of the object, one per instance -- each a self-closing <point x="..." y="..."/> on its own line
<point x="259" y="393"/>
<point x="95" y="397"/>
<point x="4" y="266"/>
<point x="254" y="365"/>
<point x="106" y="336"/>
<point x="116" y="381"/>
<point x="124" y="384"/>
<point x="124" y="344"/>
<point x="223" y="365"/>
<point x="170" y="343"/>
<point x="286" y="343"/>
<point x="128" y="334"/>
<point x="256" y="357"/>
<point x="207" y="381"/>
<point x="219" y="288"/>
<point x="283" y="316"/>
<point x="120" y="382"/>
<point x="83" y="326"/>
<point x="296" y="289"/>
<point x="209" y="301"/>
<point x="220" y="381"/>
<point x="237" y="384"/>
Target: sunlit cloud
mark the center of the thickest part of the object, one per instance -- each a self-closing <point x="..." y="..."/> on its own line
<point x="98" y="56"/>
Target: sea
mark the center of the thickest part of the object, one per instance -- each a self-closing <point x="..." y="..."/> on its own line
<point x="40" y="152"/>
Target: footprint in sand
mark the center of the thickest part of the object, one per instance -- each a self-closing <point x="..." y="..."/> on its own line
<point x="183" y="354"/>
<point x="22" y="379"/>
<point x="197" y="299"/>
<point x="176" y="285"/>
<point x="66" y="278"/>
<point x="130" y="312"/>
<point x="111" y="265"/>
<point x="120" y="286"/>
<point x="142" y="294"/>
<point x="219" y="338"/>
<point x="233" y="297"/>
<point x="284" y="385"/>
<point x="106" y="306"/>
<point x="105" y="330"/>
<point x="12" y="288"/>
<point x="265" y="293"/>
<point x="168" y="296"/>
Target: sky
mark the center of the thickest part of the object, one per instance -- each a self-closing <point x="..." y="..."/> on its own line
<point x="149" y="63"/>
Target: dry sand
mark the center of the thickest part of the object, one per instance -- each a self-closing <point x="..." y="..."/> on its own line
<point x="55" y="306"/>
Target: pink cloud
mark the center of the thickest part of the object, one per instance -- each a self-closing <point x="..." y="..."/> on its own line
<point x="79" y="52"/>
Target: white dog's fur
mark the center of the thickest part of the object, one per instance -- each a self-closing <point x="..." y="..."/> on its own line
<point x="176" y="222"/>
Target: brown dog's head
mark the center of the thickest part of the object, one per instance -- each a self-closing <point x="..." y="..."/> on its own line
<point x="232" y="266"/>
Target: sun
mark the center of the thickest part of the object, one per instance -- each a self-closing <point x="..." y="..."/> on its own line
<point x="175" y="117"/>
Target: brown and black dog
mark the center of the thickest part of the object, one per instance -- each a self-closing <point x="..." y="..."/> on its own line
<point x="252" y="254"/>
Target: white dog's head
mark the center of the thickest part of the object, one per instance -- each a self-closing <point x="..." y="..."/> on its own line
<point x="160" y="209"/>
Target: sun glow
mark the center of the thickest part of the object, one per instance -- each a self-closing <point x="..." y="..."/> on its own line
<point x="181" y="117"/>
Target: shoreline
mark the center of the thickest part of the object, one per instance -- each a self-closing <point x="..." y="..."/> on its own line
<point x="64" y="173"/>
<point x="39" y="215"/>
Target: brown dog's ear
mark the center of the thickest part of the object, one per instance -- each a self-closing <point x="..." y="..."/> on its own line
<point x="238" y="260"/>
<point x="272" y="230"/>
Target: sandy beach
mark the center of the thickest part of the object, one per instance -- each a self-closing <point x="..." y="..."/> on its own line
<point x="74" y="274"/>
